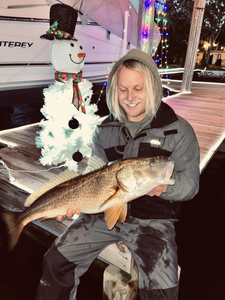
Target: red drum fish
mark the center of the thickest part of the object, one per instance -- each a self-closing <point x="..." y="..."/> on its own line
<point x="107" y="190"/>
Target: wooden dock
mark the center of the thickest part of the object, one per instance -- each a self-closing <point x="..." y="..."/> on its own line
<point x="204" y="108"/>
<point x="19" y="153"/>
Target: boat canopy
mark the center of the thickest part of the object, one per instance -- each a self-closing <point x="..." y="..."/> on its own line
<point x="110" y="14"/>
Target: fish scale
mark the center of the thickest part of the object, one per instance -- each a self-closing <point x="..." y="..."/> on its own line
<point x="107" y="189"/>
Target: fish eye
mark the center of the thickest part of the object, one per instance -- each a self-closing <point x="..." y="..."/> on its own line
<point x="153" y="163"/>
<point x="72" y="44"/>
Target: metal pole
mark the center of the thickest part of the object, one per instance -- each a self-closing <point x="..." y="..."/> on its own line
<point x="125" y="32"/>
<point x="140" y="9"/>
<point x="151" y="28"/>
<point x="193" y="42"/>
<point x="146" y="26"/>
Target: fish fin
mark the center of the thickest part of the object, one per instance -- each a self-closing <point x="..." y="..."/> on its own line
<point x="57" y="180"/>
<point x="94" y="163"/>
<point x="111" y="215"/>
<point x="117" y="194"/>
<point x="123" y="213"/>
<point x="14" y="229"/>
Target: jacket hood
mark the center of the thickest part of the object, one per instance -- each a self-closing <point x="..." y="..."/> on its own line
<point x="145" y="59"/>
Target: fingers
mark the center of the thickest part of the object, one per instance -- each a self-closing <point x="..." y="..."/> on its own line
<point x="158" y="190"/>
<point x="69" y="214"/>
<point x="60" y="218"/>
<point x="77" y="212"/>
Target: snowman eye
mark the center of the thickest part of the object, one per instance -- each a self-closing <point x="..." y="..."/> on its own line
<point x="81" y="47"/>
<point x="72" y="45"/>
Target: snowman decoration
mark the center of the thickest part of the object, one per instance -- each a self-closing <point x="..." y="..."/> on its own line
<point x="70" y="119"/>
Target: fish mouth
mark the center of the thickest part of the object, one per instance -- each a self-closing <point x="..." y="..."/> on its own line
<point x="167" y="173"/>
<point x="77" y="63"/>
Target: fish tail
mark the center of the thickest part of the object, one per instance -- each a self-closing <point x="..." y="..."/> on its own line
<point x="14" y="229"/>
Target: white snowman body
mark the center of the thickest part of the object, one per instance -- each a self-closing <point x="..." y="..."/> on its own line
<point x="58" y="142"/>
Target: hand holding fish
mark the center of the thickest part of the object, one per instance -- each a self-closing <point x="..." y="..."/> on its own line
<point x="69" y="214"/>
<point x="157" y="191"/>
<point x="107" y="190"/>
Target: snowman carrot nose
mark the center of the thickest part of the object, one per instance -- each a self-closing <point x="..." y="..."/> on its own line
<point x="81" y="55"/>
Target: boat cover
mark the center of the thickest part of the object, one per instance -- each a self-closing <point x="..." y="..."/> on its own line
<point x="110" y="14"/>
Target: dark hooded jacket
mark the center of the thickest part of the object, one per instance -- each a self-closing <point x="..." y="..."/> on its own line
<point x="167" y="134"/>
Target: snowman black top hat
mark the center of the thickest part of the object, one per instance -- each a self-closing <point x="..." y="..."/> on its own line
<point x="63" y="19"/>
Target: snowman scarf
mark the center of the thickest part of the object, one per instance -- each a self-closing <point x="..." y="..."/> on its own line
<point x="77" y="98"/>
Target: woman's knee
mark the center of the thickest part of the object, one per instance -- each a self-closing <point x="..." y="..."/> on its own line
<point x="56" y="262"/>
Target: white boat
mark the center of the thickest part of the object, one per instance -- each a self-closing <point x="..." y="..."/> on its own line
<point x="25" y="60"/>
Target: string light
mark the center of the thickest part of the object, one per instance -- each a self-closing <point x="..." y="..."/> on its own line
<point x="161" y="21"/>
<point x="101" y="92"/>
<point x="149" y="9"/>
<point x="147" y="16"/>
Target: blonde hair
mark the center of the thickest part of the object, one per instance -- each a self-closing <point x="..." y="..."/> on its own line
<point x="150" y="86"/>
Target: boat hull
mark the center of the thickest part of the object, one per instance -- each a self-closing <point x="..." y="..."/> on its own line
<point x="25" y="59"/>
